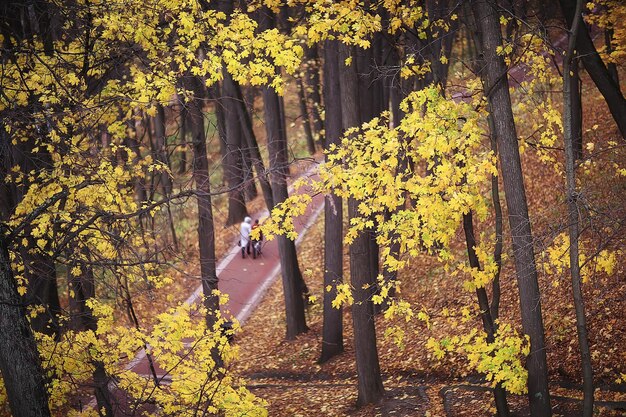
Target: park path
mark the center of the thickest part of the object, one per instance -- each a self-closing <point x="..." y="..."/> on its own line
<point x="246" y="280"/>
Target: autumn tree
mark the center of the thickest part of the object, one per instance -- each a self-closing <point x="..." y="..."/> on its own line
<point x="293" y="282"/>
<point x="497" y="92"/>
<point x="571" y="128"/>
<point x="332" y="335"/>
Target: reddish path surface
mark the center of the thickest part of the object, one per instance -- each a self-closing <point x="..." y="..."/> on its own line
<point x="245" y="280"/>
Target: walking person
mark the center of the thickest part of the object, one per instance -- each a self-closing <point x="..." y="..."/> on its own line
<point x="256" y="243"/>
<point x="244" y="231"/>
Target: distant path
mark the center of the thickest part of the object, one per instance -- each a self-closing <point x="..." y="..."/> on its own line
<point x="246" y="280"/>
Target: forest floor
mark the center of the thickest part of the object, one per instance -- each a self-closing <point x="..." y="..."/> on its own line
<point x="287" y="374"/>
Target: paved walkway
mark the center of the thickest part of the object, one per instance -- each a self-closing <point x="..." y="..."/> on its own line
<point x="245" y="280"/>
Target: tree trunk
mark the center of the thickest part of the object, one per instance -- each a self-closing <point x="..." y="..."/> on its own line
<point x="294" y="287"/>
<point x="160" y="149"/>
<point x="236" y="169"/>
<point x="250" y="191"/>
<point x="292" y="278"/>
<point x="182" y="137"/>
<point x="498" y="226"/>
<point x="370" y="96"/>
<point x="253" y="147"/>
<point x="576" y="110"/>
<point x="165" y="179"/>
<point x="19" y="359"/>
<point x="81" y="319"/>
<point x="206" y="233"/>
<point x="440" y="44"/>
<point x="40" y="273"/>
<point x="313" y="89"/>
<point x="596" y="69"/>
<point x="497" y="90"/>
<point x="233" y="164"/>
<point x="332" y="331"/>
<point x="485" y="312"/>
<point x="39" y="267"/>
<point x="305" y="118"/>
<point x="612" y="67"/>
<point x="370" y="386"/>
<point x="572" y="128"/>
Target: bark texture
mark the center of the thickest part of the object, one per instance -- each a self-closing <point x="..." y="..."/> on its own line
<point x="19" y="358"/>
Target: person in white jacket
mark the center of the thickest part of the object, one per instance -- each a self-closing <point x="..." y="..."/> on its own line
<point x="244" y="241"/>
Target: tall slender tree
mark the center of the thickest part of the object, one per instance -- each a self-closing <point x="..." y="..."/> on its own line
<point x="206" y="231"/>
<point x="571" y="129"/>
<point x="294" y="287"/>
<point x="332" y="333"/>
<point x="370" y="385"/>
<point x="496" y="86"/>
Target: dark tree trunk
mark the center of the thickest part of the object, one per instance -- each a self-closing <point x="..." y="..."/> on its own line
<point x="160" y="149"/>
<point x="370" y="386"/>
<point x="81" y="319"/>
<point x="576" y="111"/>
<point x="249" y="185"/>
<point x="292" y="278"/>
<point x="39" y="267"/>
<point x="233" y="164"/>
<point x="332" y="332"/>
<point x="161" y="156"/>
<point x="182" y="154"/>
<point x="215" y="92"/>
<point x="497" y="90"/>
<point x="294" y="287"/>
<point x="253" y="147"/>
<point x="475" y="42"/>
<point x="236" y="169"/>
<point x="291" y="275"/>
<point x="19" y="359"/>
<point x="370" y="96"/>
<point x="283" y="133"/>
<point x="596" y="68"/>
<point x="485" y="311"/>
<point x="440" y="44"/>
<point x="571" y="129"/>
<point x="40" y="273"/>
<point x="133" y="144"/>
<point x="612" y="67"/>
<point x="306" y="123"/>
<point x="498" y="220"/>
<point x="250" y="97"/>
<point x="313" y="89"/>
<point x="397" y="92"/>
<point x="206" y="233"/>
